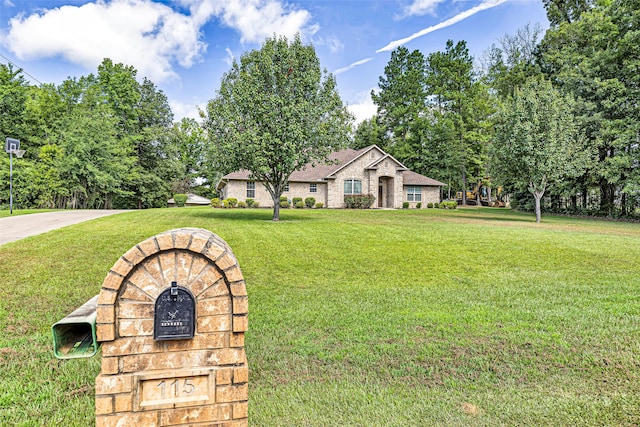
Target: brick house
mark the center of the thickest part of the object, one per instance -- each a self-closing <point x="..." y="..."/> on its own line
<point x="366" y="171"/>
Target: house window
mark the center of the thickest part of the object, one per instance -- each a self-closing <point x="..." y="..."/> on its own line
<point x="313" y="188"/>
<point x="352" y="186"/>
<point x="286" y="187"/>
<point x="414" y="194"/>
<point x="251" y="189"/>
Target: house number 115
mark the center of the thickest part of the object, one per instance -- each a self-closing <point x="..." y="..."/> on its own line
<point x="176" y="388"/>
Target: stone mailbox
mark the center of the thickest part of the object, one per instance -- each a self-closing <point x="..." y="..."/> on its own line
<point x="171" y="317"/>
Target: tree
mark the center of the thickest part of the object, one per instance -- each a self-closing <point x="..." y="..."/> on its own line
<point x="402" y="95"/>
<point x="143" y="120"/>
<point x="13" y="98"/>
<point x="513" y="61"/>
<point x="537" y="143"/>
<point x="188" y="143"/>
<point x="596" y="58"/>
<point x="559" y="11"/>
<point x="458" y="97"/>
<point x="370" y="132"/>
<point x="276" y="111"/>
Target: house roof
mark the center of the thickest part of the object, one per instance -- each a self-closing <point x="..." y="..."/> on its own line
<point x="193" y="199"/>
<point x="375" y="163"/>
<point x="312" y="173"/>
<point x="338" y="161"/>
<point x="413" y="178"/>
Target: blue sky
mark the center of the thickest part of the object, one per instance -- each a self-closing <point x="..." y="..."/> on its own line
<point x="185" y="46"/>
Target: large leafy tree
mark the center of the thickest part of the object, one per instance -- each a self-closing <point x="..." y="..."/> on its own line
<point x="401" y="97"/>
<point x="459" y="98"/>
<point x="566" y="11"/>
<point x="437" y="113"/>
<point x="95" y="165"/>
<point x="187" y="152"/>
<point x="276" y="111"/>
<point x="513" y="60"/>
<point x="143" y="120"/>
<point x="13" y="97"/>
<point x="537" y="143"/>
<point x="596" y="58"/>
<point x="370" y="132"/>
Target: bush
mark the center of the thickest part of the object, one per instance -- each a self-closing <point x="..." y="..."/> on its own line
<point x="295" y="200"/>
<point x="319" y="205"/>
<point x="180" y="200"/>
<point x="242" y="204"/>
<point x="298" y="205"/>
<point x="226" y="203"/>
<point x="447" y="205"/>
<point x="419" y="205"/>
<point x="309" y="202"/>
<point x="284" y="202"/>
<point x="216" y="203"/>
<point x="255" y="204"/>
<point x="430" y="205"/>
<point x="359" y="201"/>
<point x="250" y="203"/>
<point x="232" y="201"/>
<point x="405" y="205"/>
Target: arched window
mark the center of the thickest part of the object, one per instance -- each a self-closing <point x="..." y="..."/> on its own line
<point x="352" y="186"/>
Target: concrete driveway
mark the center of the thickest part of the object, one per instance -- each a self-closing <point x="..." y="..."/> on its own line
<point x="18" y="227"/>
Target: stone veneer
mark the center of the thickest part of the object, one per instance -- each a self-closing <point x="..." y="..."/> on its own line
<point x="202" y="381"/>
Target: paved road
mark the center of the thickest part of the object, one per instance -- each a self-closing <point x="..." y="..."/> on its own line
<point x="18" y="227"/>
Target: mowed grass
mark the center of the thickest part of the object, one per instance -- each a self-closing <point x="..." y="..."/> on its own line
<point x="367" y="318"/>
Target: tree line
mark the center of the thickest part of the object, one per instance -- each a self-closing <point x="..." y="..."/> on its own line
<point x="101" y="141"/>
<point x="554" y="116"/>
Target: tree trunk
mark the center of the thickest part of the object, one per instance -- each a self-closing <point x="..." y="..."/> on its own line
<point x="538" y="196"/>
<point x="538" y="192"/>
<point x="276" y="209"/>
<point x="464" y="187"/>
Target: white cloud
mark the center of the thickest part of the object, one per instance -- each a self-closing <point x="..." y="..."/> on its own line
<point x="182" y="110"/>
<point x="333" y="43"/>
<point x="230" y="57"/>
<point x="148" y="35"/>
<point x="349" y="67"/>
<point x="363" y="108"/>
<point x="488" y="4"/>
<point x="259" y="19"/>
<point x="421" y="7"/>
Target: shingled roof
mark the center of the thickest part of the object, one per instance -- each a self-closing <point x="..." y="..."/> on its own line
<point x="338" y="160"/>
<point x="412" y="178"/>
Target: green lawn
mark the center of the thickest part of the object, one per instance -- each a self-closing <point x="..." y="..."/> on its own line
<point x="367" y="318"/>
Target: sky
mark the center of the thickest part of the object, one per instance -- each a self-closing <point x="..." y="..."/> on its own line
<point x="185" y="46"/>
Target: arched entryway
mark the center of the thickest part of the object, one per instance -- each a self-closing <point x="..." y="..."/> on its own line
<point x="385" y="192"/>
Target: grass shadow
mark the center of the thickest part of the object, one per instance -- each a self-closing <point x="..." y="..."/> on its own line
<point x="286" y="215"/>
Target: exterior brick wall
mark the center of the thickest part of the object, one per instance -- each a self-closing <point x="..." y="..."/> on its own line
<point x="429" y="195"/>
<point x="380" y="174"/>
<point x="302" y="189"/>
<point x="198" y="381"/>
<point x="238" y="190"/>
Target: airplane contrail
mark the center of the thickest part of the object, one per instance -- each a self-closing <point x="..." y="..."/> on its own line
<point x="444" y="24"/>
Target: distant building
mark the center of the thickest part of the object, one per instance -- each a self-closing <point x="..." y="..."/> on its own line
<point x="192" y="200"/>
<point x="366" y="171"/>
